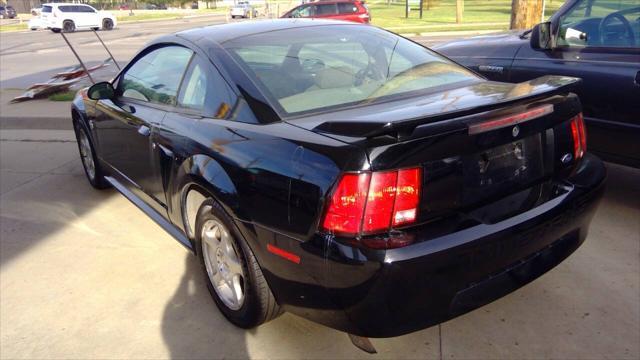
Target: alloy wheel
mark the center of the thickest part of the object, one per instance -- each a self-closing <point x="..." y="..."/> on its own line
<point x="223" y="264"/>
<point x="86" y="154"/>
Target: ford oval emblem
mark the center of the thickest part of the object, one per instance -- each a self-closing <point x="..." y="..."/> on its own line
<point x="515" y="131"/>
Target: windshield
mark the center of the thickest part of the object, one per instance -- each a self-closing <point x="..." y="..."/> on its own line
<point x="319" y="68"/>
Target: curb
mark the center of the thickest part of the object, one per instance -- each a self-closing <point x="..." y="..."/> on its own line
<point x="35" y="123"/>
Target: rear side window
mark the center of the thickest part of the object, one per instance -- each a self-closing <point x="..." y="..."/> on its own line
<point x="84" y="9"/>
<point x="325" y="9"/>
<point x="156" y="76"/>
<point x="205" y="91"/>
<point x="67" y="8"/>
<point x="46" y="9"/>
<point x="347" y="8"/>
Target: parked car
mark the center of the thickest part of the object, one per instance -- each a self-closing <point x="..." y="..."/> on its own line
<point x="596" y="40"/>
<point x="243" y="9"/>
<point x="348" y="10"/>
<point x="70" y="17"/>
<point x="341" y="172"/>
<point x="7" y="12"/>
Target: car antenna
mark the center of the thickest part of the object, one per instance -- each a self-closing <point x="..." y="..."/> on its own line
<point x="77" y="57"/>
<point x="106" y="48"/>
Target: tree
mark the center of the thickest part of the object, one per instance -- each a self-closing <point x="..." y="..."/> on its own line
<point x="526" y="13"/>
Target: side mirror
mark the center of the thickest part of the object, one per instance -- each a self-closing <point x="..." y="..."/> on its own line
<point x="102" y="90"/>
<point x="541" y="37"/>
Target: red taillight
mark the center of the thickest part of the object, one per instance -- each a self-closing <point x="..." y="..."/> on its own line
<point x="407" y="196"/>
<point x="392" y="199"/>
<point x="382" y="195"/>
<point x="579" y="135"/>
<point x="347" y="204"/>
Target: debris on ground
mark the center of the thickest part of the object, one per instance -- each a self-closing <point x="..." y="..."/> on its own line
<point x="60" y="82"/>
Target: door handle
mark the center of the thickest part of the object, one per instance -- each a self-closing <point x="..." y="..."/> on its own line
<point x="144" y="130"/>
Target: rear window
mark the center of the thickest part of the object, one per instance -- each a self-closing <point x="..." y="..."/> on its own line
<point x="321" y="68"/>
<point x="347" y="8"/>
<point x="1" y="7"/>
<point x="46" y="9"/>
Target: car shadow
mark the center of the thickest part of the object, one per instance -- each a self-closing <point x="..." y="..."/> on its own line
<point x="192" y="326"/>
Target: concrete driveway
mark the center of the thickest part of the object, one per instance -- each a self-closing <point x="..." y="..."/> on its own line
<point x="85" y="274"/>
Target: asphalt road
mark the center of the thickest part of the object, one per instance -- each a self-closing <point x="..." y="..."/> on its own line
<point x="28" y="57"/>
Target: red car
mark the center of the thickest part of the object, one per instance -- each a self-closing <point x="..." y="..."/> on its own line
<point x="348" y="10"/>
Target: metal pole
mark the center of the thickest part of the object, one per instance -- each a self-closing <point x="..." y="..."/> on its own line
<point x="77" y="57"/>
<point x="106" y="48"/>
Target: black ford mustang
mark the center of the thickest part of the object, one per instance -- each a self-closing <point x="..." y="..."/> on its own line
<point x="343" y="173"/>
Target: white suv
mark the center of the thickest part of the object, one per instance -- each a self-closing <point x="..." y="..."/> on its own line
<point x="70" y="17"/>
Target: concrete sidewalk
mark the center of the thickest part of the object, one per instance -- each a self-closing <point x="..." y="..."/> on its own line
<point x="33" y="114"/>
<point x="85" y="274"/>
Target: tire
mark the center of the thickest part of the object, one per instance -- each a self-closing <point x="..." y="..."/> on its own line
<point x="90" y="164"/>
<point x="68" y="26"/>
<point x="215" y="231"/>
<point x="107" y="24"/>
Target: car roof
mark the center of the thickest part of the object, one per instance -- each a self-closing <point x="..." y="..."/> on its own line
<point x="58" y="4"/>
<point x="225" y="32"/>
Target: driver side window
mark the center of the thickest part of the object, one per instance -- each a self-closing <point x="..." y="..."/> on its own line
<point x="156" y="76"/>
<point x="303" y="11"/>
<point x="601" y="23"/>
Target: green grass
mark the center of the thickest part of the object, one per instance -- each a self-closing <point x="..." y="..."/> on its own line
<point x="13" y="27"/>
<point x="163" y="14"/>
<point x="63" y="96"/>
<point x="495" y="14"/>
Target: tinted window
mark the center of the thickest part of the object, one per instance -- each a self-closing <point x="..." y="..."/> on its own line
<point x="1" y="8"/>
<point x="303" y="11"/>
<point x="156" y="76"/>
<point x="46" y="9"/>
<point x="85" y="9"/>
<point x="347" y="8"/>
<point x="605" y="23"/>
<point x="324" y="9"/>
<point x="203" y="89"/>
<point x="330" y="67"/>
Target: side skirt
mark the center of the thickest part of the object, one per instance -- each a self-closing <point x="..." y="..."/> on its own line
<point x="159" y="219"/>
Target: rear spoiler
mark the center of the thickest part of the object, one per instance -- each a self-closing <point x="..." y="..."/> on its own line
<point x="541" y="87"/>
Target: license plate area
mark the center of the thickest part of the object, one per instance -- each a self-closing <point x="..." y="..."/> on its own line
<point x="502" y="170"/>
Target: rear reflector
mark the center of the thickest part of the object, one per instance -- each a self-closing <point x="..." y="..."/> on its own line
<point x="579" y="135"/>
<point x="283" y="253"/>
<point x="370" y="203"/>
<point x="510" y="119"/>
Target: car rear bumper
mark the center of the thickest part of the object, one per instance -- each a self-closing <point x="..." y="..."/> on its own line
<point x="384" y="294"/>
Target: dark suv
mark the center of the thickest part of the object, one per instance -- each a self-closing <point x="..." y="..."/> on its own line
<point x="7" y="12"/>
<point x="596" y="40"/>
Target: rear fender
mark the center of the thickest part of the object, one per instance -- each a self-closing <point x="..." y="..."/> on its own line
<point x="198" y="178"/>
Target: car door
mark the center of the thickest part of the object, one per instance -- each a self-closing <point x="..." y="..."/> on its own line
<point x="126" y="126"/>
<point x="324" y="10"/>
<point x="89" y="16"/>
<point x="204" y="97"/>
<point x="593" y="43"/>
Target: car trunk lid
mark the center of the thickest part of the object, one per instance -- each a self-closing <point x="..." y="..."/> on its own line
<point x="478" y="145"/>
